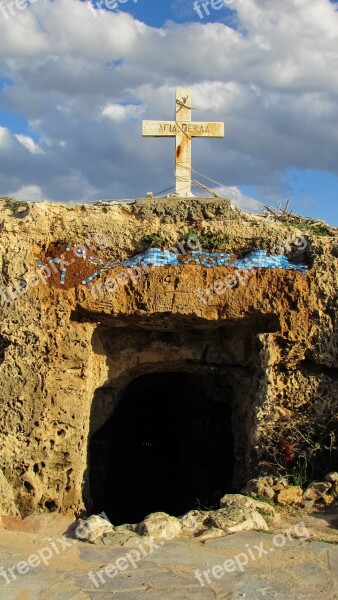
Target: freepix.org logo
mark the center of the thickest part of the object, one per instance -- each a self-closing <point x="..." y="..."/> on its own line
<point x="203" y="8"/>
<point x="101" y="6"/>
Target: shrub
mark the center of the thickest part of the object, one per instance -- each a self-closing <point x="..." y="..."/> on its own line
<point x="154" y="240"/>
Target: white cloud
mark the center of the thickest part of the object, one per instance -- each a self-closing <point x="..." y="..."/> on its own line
<point x="29" y="144"/>
<point x="117" y="112"/>
<point x="4" y="138"/>
<point x="85" y="83"/>
<point x="31" y="193"/>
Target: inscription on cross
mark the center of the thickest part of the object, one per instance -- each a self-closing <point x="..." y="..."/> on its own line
<point x="183" y="129"/>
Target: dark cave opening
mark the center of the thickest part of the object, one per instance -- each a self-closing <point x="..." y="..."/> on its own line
<point x="167" y="447"/>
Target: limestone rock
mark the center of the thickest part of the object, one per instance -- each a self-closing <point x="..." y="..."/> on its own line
<point x="240" y="513"/>
<point x="60" y="341"/>
<point x="316" y="491"/>
<point x="279" y="487"/>
<point x="193" y="521"/>
<point x="211" y="533"/>
<point x="332" y="477"/>
<point x="7" y="503"/>
<point x="91" y="529"/>
<point x="243" y="502"/>
<point x="290" y="495"/>
<point x="328" y="499"/>
<point x="253" y="523"/>
<point x="261" y="487"/>
<point x="160" y="525"/>
<point x="236" y="520"/>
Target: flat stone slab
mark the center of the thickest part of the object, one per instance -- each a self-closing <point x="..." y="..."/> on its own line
<point x="180" y="569"/>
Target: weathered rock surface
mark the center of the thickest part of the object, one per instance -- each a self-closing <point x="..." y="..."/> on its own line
<point x="90" y="529"/>
<point x="316" y="491"/>
<point x="332" y="477"/>
<point x="160" y="526"/>
<point x="261" y="487"/>
<point x="7" y="501"/>
<point x="67" y="354"/>
<point x="238" y="502"/>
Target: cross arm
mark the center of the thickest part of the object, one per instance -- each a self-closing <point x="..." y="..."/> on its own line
<point x="159" y="128"/>
<point x="201" y="129"/>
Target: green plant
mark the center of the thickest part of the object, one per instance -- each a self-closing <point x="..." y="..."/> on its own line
<point x="266" y="501"/>
<point x="154" y="240"/>
<point x="69" y="239"/>
<point x="208" y="241"/>
<point x="301" y="472"/>
<point x="305" y="448"/>
<point x="14" y="204"/>
<point x="320" y="229"/>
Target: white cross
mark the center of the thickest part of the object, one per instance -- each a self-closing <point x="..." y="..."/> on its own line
<point x="183" y="129"/>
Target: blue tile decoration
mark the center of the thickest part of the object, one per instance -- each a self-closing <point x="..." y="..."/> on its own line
<point x="97" y="262"/>
<point x="152" y="256"/>
<point x="257" y="259"/>
<point x="63" y="276"/>
<point x="91" y="277"/>
<point x="260" y="259"/>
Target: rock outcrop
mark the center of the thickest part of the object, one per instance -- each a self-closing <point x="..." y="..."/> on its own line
<point x="67" y="352"/>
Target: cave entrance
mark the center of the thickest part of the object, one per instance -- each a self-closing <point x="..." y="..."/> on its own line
<point x="168" y="446"/>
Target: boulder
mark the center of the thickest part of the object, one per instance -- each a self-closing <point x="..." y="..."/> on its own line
<point x="193" y="521"/>
<point x="161" y="526"/>
<point x="278" y="487"/>
<point x="243" y="503"/>
<point x="290" y="495"/>
<point x="328" y="499"/>
<point x="316" y="491"/>
<point x="332" y="477"/>
<point x="254" y="523"/>
<point x="236" y="520"/>
<point x="261" y="487"/>
<point x="240" y="513"/>
<point x="280" y="484"/>
<point x="91" y="529"/>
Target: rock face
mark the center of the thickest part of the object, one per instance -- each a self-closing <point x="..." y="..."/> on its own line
<point x="67" y="353"/>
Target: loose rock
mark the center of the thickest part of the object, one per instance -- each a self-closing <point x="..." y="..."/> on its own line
<point x="316" y="491"/>
<point x="91" y="529"/>
<point x="160" y="525"/>
<point x="332" y="477"/>
<point x="291" y="495"/>
<point x="261" y="487"/>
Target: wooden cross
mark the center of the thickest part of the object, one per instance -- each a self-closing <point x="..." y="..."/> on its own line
<point x="183" y="129"/>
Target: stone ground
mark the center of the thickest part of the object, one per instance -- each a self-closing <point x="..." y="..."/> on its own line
<point x="302" y="569"/>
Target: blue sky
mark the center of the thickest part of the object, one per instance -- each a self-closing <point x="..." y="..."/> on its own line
<point x="157" y="12"/>
<point x="75" y="85"/>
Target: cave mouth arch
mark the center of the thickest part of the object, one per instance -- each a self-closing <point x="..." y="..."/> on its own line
<point x="168" y="446"/>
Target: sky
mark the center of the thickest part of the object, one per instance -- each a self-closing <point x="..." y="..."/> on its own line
<point x="78" y="77"/>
